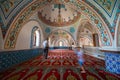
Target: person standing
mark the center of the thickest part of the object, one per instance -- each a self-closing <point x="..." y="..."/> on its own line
<point x="79" y="53"/>
<point x="73" y="46"/>
<point x="46" y="48"/>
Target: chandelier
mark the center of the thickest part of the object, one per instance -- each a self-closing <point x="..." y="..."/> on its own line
<point x="60" y="20"/>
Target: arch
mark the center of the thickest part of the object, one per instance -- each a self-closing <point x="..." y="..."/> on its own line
<point x="40" y="30"/>
<point x="92" y="28"/>
<point x="35" y="37"/>
<point x="65" y="42"/>
<point x="24" y="36"/>
<point x="23" y="16"/>
<point x="55" y="41"/>
<point x="61" y="43"/>
<point x="64" y="31"/>
<point x="61" y="30"/>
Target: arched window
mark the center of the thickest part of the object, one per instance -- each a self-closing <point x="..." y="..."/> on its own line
<point x="35" y="37"/>
<point x="60" y="43"/>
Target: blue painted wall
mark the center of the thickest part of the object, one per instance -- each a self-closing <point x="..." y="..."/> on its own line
<point x="11" y="58"/>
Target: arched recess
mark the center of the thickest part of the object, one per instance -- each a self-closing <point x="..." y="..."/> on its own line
<point x="60" y="35"/>
<point x="56" y="42"/>
<point x="61" y="42"/>
<point x="1" y="40"/>
<point x="23" y="16"/>
<point x="24" y="37"/>
<point x="35" y="37"/>
<point x="86" y="28"/>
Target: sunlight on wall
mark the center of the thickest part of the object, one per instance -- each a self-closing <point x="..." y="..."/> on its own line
<point x="60" y="43"/>
<point x="37" y="37"/>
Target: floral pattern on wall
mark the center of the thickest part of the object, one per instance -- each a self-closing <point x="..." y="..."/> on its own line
<point x="107" y="5"/>
<point x="9" y="10"/>
<point x="23" y="17"/>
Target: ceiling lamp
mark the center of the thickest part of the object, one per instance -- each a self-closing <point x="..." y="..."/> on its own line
<point x="60" y="20"/>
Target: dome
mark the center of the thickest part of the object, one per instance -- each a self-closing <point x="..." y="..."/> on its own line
<point x="58" y="15"/>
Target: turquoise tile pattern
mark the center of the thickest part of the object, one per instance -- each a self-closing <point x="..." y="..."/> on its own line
<point x="11" y="58"/>
<point x="112" y="62"/>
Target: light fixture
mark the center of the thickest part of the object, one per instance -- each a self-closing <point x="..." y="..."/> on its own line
<point x="59" y="14"/>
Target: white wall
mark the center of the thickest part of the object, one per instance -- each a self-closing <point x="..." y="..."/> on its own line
<point x="24" y="37"/>
<point x="1" y="40"/>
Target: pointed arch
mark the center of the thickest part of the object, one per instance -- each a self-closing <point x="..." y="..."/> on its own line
<point x="86" y="24"/>
<point x="35" y="37"/>
<point x="23" y="16"/>
<point x="70" y="41"/>
<point x="25" y="36"/>
<point x="65" y="42"/>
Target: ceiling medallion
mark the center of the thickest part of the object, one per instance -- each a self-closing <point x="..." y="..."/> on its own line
<point x="58" y="15"/>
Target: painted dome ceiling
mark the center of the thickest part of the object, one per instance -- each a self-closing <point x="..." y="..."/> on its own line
<point x="60" y="34"/>
<point x="58" y="15"/>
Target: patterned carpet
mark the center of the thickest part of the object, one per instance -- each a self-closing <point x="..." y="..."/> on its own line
<point x="60" y="65"/>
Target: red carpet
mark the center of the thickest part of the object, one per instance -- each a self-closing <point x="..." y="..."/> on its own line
<point x="60" y="65"/>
